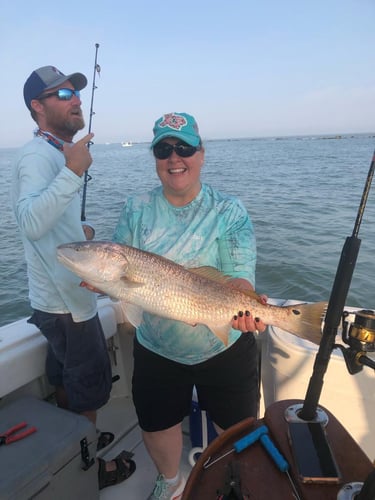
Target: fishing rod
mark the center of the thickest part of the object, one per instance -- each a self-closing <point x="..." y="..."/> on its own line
<point x="335" y="313"/>
<point x="87" y="177"/>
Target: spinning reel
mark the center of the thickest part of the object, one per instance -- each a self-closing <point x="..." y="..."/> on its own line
<point x="360" y="336"/>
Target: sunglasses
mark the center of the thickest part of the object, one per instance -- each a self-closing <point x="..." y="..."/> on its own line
<point x="61" y="94"/>
<point x="163" y="150"/>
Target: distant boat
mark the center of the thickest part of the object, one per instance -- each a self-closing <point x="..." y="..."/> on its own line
<point x="126" y="144"/>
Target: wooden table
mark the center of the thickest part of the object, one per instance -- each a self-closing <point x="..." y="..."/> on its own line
<point x="260" y="478"/>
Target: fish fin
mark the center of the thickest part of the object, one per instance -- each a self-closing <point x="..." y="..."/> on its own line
<point x="252" y="294"/>
<point x="130" y="284"/>
<point x="305" y="321"/>
<point x="222" y="332"/>
<point x="132" y="312"/>
<point x="224" y="279"/>
<point x="211" y="273"/>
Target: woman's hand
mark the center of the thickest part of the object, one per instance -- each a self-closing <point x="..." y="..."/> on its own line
<point x="245" y="322"/>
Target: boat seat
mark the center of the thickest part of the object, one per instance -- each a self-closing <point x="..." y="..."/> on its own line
<point x="23" y="348"/>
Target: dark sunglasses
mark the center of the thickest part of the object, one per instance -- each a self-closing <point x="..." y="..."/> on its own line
<point x="163" y="150"/>
<point x="61" y="94"/>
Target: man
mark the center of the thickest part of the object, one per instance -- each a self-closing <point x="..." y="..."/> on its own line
<point x="47" y="176"/>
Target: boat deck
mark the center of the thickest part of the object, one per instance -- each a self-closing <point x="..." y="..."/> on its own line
<point x="141" y="483"/>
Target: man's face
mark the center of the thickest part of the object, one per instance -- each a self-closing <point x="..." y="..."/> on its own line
<point x="62" y="117"/>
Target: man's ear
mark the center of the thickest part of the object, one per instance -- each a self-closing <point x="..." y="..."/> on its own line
<point x="36" y="105"/>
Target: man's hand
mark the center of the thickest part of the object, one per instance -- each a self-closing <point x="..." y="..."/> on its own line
<point x="77" y="156"/>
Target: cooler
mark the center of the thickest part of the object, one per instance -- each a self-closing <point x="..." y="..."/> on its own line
<point x="55" y="462"/>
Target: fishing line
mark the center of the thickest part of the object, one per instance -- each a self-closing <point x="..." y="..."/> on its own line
<point x="87" y="177"/>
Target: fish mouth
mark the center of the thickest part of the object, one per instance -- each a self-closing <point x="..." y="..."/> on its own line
<point x="67" y="252"/>
<point x="63" y="257"/>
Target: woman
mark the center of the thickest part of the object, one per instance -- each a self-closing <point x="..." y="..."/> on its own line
<point x="192" y="224"/>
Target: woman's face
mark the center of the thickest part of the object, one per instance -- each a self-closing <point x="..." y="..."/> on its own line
<point x="180" y="176"/>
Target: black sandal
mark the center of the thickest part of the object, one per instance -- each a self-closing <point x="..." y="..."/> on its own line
<point x="104" y="439"/>
<point x="124" y="469"/>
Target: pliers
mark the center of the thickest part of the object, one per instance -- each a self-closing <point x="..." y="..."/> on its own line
<point x="10" y="435"/>
<point x="232" y="487"/>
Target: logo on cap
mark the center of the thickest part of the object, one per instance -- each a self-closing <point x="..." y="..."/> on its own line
<point x="57" y="71"/>
<point x="174" y="121"/>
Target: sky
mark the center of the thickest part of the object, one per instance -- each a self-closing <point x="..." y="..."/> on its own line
<point x="243" y="68"/>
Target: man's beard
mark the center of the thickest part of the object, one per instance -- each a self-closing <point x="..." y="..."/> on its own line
<point x="65" y="127"/>
<point x="73" y="126"/>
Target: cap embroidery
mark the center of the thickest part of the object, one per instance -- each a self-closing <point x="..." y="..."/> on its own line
<point x="57" y="71"/>
<point x="174" y="121"/>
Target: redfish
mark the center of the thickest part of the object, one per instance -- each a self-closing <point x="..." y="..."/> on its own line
<point x="144" y="281"/>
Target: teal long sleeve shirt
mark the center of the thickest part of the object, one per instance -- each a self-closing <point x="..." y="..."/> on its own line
<point x="213" y="230"/>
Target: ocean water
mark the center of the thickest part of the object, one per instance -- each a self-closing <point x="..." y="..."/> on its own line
<point x="302" y="193"/>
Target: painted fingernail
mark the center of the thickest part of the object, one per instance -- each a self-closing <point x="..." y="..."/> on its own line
<point x="240" y="314"/>
<point x="235" y="318"/>
<point x="247" y="313"/>
<point x="256" y="320"/>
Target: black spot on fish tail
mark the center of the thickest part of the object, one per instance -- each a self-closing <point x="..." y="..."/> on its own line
<point x="305" y="321"/>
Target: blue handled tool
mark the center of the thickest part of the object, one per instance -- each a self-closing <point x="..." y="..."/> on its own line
<point x="261" y="434"/>
<point x="240" y="445"/>
<point x="274" y="453"/>
<point x="279" y="460"/>
<point x="250" y="439"/>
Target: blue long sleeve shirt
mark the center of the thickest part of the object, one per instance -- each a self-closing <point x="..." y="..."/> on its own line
<point x="46" y="204"/>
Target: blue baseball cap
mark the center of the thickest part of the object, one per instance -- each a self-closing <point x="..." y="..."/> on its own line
<point x="49" y="77"/>
<point x="179" y="125"/>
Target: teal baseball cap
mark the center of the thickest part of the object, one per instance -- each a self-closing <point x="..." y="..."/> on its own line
<point x="179" y="125"/>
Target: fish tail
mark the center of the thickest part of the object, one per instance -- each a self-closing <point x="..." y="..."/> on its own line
<point x="305" y="320"/>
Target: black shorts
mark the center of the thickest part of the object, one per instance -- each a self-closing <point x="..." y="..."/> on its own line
<point x="77" y="359"/>
<point x="227" y="386"/>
